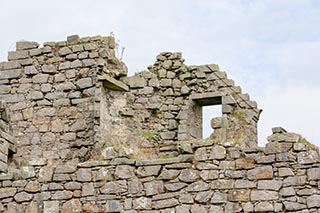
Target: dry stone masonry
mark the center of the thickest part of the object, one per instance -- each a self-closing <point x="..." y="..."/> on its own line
<point x="79" y="135"/>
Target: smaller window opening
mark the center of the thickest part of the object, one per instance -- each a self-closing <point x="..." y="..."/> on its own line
<point x="209" y="112"/>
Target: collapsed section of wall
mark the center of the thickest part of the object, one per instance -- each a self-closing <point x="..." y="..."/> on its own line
<point x="205" y="177"/>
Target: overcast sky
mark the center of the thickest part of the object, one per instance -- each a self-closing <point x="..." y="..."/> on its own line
<point x="270" y="48"/>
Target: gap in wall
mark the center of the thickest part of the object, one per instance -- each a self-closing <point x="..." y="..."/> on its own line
<point x="209" y="112"/>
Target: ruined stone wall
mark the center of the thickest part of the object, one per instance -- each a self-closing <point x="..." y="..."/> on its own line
<point x="78" y="135"/>
<point x="53" y="94"/>
<point x="205" y="177"/>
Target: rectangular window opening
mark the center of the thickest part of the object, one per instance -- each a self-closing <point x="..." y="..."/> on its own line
<point x="209" y="112"/>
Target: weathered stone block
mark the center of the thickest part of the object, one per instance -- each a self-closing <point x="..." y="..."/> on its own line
<point x="189" y="175"/>
<point x="245" y="163"/>
<point x="258" y="173"/>
<point x="313" y="201"/>
<point x="270" y="184"/>
<point x="263" y="195"/>
<point x="142" y="203"/>
<point x="113" y="206"/>
<point x="161" y="204"/>
<point x="264" y="207"/>
<point x="115" y="187"/>
<point x="72" y="206"/>
<point x="293" y="206"/>
<point x="218" y="152"/>
<point x="198" y="186"/>
<point x="51" y="207"/>
<point x="174" y="186"/>
<point x="154" y="187"/>
<point x="84" y="83"/>
<point x="10" y="74"/>
<point x="242" y="195"/>
<point x="124" y="172"/>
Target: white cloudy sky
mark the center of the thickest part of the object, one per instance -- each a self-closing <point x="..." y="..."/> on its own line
<point x="269" y="47"/>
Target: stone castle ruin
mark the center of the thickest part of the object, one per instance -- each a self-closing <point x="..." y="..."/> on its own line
<point x="79" y="135"/>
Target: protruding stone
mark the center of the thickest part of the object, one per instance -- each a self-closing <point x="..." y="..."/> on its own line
<point x="26" y="45"/>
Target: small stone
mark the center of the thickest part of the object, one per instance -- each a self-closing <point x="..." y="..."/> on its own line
<point x="203" y="197"/>
<point x="32" y="186"/>
<point x="313" y="173"/>
<point x="264" y="207"/>
<point x="45" y="174"/>
<point x="239" y="195"/>
<point x="243" y="184"/>
<point x="142" y="203"/>
<point x="23" y="197"/>
<point x="79" y="125"/>
<point x="295" y="181"/>
<point x="35" y="95"/>
<point x="113" y="206"/>
<point x="154" y="187"/>
<point x="161" y="204"/>
<point x="49" y="68"/>
<point x="62" y="195"/>
<point x="175" y="186"/>
<point x="148" y="171"/>
<point x="64" y="51"/>
<point x="51" y="207"/>
<point x="293" y="206"/>
<point x="222" y="184"/>
<point x="264" y="195"/>
<point x="185" y="90"/>
<point x="196" y="208"/>
<point x="87" y="190"/>
<point x="313" y="201"/>
<point x="258" y="173"/>
<point x="30" y="70"/>
<point x="115" y="187"/>
<point x="189" y="175"/>
<point x="40" y="78"/>
<point x="72" y="206"/>
<point x="10" y="74"/>
<point x="269" y="184"/>
<point x="84" y="175"/>
<point x="218" y="152"/>
<point x="201" y="154"/>
<point x="48" y="137"/>
<point x="84" y="83"/>
<point x="308" y="157"/>
<point x="198" y="186"/>
<point x="245" y="163"/>
<point x="124" y="172"/>
<point x="7" y="192"/>
<point x="168" y="174"/>
<point x="184" y="148"/>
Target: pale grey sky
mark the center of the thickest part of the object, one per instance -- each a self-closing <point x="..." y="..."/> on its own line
<point x="269" y="47"/>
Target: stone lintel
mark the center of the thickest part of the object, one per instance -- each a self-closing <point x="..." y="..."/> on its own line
<point x="208" y="98"/>
<point x="112" y="83"/>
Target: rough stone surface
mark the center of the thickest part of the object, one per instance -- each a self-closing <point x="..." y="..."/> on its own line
<point x="79" y="135"/>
